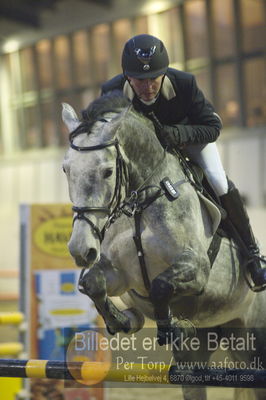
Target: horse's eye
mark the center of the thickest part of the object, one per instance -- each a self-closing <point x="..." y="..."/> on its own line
<point x="107" y="173"/>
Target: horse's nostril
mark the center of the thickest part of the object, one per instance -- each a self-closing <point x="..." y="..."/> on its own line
<point x="91" y="256"/>
<point x="80" y="262"/>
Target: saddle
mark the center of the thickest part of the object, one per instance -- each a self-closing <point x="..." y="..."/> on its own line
<point x="207" y="197"/>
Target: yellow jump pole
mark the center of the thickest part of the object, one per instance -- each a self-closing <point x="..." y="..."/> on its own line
<point x="80" y="371"/>
<point x="11" y="318"/>
<point x="138" y="373"/>
<point x="10" y="348"/>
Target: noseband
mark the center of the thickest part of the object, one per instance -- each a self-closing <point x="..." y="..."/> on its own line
<point x="113" y="206"/>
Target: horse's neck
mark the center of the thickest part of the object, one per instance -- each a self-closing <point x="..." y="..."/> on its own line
<point x="147" y="160"/>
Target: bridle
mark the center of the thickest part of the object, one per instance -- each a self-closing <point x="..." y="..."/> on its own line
<point x="113" y="208"/>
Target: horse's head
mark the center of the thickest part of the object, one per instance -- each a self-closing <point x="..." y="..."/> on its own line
<point x="94" y="169"/>
<point x="113" y="151"/>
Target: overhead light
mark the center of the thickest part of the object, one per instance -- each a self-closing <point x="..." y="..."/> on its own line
<point x="10" y="46"/>
<point x="154" y="7"/>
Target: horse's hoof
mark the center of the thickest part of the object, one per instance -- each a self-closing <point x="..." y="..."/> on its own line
<point x="110" y="330"/>
<point x="170" y="331"/>
<point x="169" y="335"/>
<point x="131" y="321"/>
<point x="136" y="320"/>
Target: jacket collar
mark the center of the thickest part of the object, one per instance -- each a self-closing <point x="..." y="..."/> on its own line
<point x="167" y="89"/>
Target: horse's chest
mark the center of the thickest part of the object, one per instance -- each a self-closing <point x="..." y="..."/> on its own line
<point x="125" y="255"/>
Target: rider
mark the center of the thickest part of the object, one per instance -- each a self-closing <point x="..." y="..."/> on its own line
<point x="187" y="121"/>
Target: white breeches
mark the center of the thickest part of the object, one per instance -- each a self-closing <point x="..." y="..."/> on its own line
<point x="208" y="158"/>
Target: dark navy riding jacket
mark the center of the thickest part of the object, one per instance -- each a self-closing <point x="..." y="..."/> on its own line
<point x="180" y="103"/>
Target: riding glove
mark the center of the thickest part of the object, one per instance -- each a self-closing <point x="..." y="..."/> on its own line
<point x="168" y="136"/>
<point x="181" y="135"/>
<point x="171" y="137"/>
<point x="178" y="136"/>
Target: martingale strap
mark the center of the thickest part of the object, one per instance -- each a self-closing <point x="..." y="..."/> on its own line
<point x="140" y="252"/>
<point x="170" y="188"/>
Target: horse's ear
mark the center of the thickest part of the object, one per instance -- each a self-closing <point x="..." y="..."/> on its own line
<point x="115" y="122"/>
<point x="70" y="117"/>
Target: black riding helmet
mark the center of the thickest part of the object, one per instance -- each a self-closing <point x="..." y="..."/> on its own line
<point x="144" y="56"/>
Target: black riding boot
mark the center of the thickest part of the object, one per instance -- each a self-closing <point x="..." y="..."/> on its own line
<point x="238" y="226"/>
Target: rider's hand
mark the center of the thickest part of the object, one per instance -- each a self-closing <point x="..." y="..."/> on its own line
<point x="168" y="135"/>
<point x="171" y="136"/>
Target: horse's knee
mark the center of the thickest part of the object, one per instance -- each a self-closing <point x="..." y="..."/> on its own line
<point x="93" y="283"/>
<point x="161" y="291"/>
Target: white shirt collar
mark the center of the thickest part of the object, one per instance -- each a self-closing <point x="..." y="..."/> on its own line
<point x="167" y="90"/>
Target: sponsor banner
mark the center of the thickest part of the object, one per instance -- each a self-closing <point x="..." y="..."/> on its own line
<point x="53" y="306"/>
<point x="51" y="227"/>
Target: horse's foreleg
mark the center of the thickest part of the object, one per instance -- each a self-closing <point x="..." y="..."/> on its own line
<point x="95" y="284"/>
<point x="185" y="278"/>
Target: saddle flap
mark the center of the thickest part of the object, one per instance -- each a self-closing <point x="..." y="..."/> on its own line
<point x="213" y="211"/>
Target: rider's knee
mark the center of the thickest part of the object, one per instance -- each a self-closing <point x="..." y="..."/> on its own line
<point x="218" y="180"/>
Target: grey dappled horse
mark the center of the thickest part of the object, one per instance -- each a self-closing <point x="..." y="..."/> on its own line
<point x="115" y="167"/>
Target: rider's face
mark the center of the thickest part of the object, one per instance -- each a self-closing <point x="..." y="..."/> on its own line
<point x="146" y="89"/>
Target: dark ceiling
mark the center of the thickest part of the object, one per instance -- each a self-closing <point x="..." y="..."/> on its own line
<point x="25" y="12"/>
<point x="28" y="12"/>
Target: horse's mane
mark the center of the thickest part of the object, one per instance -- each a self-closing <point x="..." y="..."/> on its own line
<point x="109" y="102"/>
<point x="113" y="101"/>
